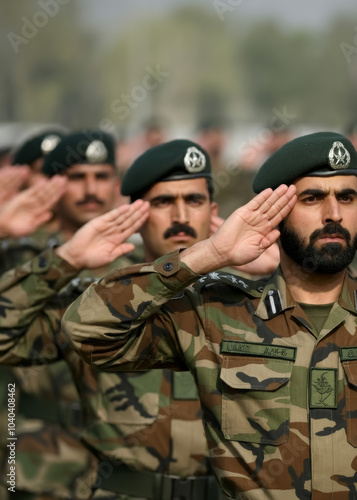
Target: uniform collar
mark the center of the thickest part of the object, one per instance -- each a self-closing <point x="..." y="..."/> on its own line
<point x="277" y="298"/>
<point x="348" y="296"/>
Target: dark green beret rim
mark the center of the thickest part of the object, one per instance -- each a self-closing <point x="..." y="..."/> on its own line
<point x="330" y="173"/>
<point x="305" y="156"/>
<point x="179" y="177"/>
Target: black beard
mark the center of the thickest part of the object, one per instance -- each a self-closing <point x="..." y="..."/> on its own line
<point x="329" y="259"/>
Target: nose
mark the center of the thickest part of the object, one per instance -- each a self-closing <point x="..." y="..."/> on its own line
<point x="180" y="212"/>
<point x="332" y="210"/>
<point x="90" y="185"/>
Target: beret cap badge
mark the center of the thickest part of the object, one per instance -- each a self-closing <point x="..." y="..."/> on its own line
<point x="96" y="152"/>
<point x="195" y="160"/>
<point x="49" y="143"/>
<point x="339" y="157"/>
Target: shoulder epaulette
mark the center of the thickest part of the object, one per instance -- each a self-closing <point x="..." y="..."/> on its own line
<point x="24" y="243"/>
<point x="76" y="287"/>
<point x="218" y="278"/>
<point x="80" y="284"/>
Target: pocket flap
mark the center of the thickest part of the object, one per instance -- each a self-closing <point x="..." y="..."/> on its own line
<point x="350" y="368"/>
<point x="261" y="374"/>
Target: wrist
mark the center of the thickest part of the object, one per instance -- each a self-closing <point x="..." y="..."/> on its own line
<point x="202" y="257"/>
<point x="64" y="251"/>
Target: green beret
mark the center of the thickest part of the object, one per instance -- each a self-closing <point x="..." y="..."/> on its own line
<point x="37" y="146"/>
<point x="85" y="147"/>
<point x="174" y="160"/>
<point x="314" y="155"/>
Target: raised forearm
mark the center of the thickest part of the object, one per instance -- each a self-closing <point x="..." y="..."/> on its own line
<point x="25" y="294"/>
<point x="105" y="323"/>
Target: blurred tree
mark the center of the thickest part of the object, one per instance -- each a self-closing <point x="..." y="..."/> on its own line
<point x="304" y="71"/>
<point x="192" y="46"/>
<point x="48" y="62"/>
<point x="64" y="70"/>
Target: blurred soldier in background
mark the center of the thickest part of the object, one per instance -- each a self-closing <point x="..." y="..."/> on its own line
<point x="20" y="213"/>
<point x="48" y="414"/>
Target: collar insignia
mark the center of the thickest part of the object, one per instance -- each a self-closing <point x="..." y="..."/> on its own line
<point x="273" y="303"/>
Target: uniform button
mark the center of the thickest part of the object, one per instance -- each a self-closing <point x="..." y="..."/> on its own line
<point x="168" y="266"/>
<point x="42" y="262"/>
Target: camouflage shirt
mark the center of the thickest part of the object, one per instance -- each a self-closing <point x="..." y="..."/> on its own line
<point x="279" y="405"/>
<point x="149" y="420"/>
<point x="50" y="458"/>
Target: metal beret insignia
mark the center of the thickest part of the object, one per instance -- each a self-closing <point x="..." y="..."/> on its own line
<point x="49" y="143"/>
<point x="195" y="160"/>
<point x="339" y="157"/>
<point x="96" y="152"/>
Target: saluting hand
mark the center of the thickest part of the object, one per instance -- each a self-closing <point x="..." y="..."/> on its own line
<point x="245" y="234"/>
<point x="31" y="208"/>
<point x="102" y="239"/>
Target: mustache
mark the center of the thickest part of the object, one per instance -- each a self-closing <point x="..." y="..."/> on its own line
<point x="180" y="228"/>
<point x="90" y="199"/>
<point x="332" y="228"/>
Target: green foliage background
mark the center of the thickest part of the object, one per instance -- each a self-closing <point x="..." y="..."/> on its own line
<point x="67" y="73"/>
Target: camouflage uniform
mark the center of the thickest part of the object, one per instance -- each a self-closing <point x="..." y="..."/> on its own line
<point x="279" y="405"/>
<point x="149" y="421"/>
<point x="50" y="459"/>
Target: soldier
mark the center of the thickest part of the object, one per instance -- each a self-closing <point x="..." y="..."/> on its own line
<point x="48" y="412"/>
<point x="274" y="360"/>
<point x="22" y="213"/>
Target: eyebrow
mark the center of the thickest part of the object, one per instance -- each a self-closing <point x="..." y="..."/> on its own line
<point x="319" y="192"/>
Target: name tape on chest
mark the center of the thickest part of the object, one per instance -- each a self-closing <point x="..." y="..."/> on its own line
<point x="348" y="353"/>
<point x="236" y="347"/>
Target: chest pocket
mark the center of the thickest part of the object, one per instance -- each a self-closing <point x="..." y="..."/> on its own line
<point x="350" y="369"/>
<point x="256" y="399"/>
